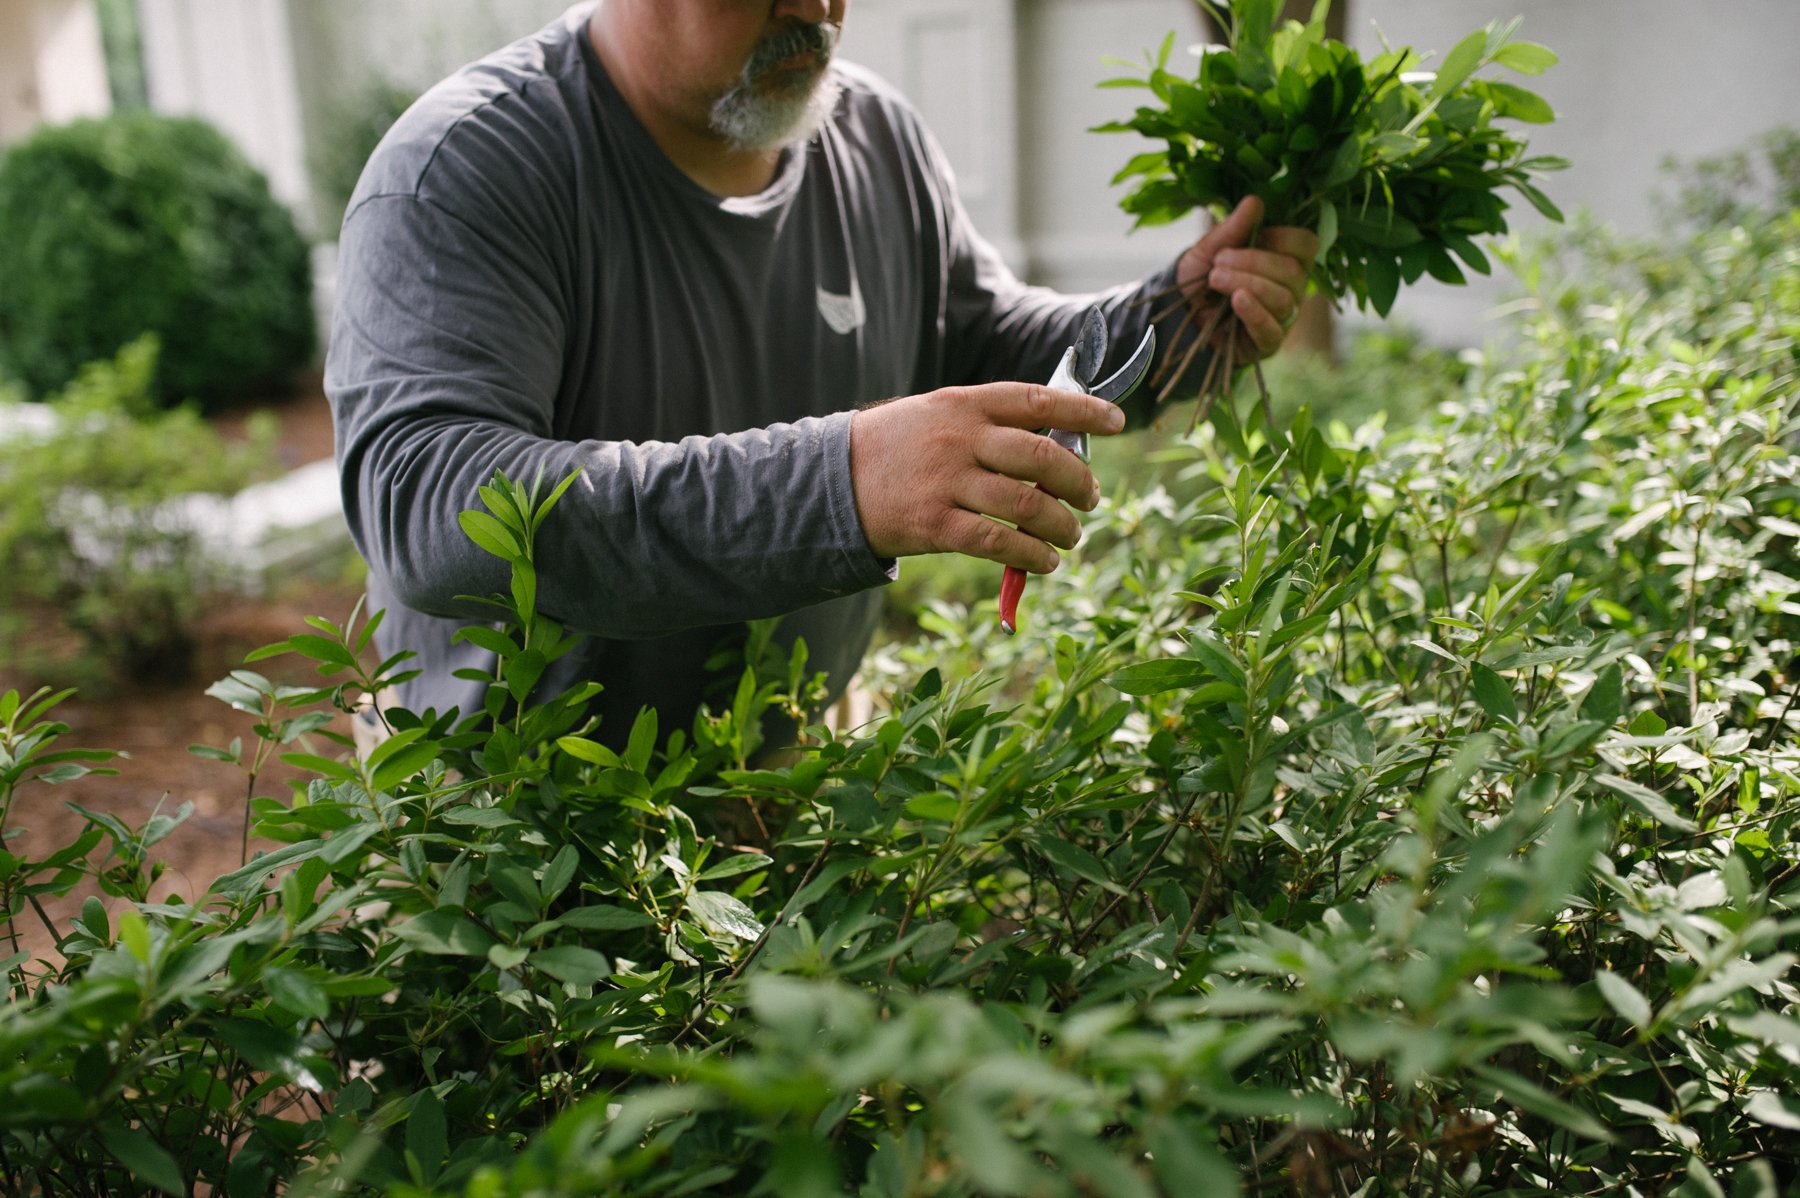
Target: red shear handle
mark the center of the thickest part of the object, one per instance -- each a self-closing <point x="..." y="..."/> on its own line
<point x="1012" y="586"/>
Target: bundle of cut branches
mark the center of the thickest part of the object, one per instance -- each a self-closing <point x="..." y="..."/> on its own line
<point x="1396" y="167"/>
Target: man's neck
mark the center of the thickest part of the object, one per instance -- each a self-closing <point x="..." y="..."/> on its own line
<point x="687" y="138"/>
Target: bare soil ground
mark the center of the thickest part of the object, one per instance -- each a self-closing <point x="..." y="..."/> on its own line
<point x="154" y="720"/>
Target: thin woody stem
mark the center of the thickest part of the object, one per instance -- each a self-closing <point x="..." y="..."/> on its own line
<point x="1203" y="405"/>
<point x="1262" y="391"/>
<point x="1184" y="297"/>
<point x="1176" y="372"/>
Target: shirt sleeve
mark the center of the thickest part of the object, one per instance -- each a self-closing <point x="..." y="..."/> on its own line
<point x="445" y="361"/>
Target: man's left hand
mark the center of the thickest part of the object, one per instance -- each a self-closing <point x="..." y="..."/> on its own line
<point x="1263" y="282"/>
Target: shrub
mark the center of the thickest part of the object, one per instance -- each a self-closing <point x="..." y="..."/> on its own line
<point x="1739" y="186"/>
<point x="1391" y="816"/>
<point x="91" y="528"/>
<point x="137" y="223"/>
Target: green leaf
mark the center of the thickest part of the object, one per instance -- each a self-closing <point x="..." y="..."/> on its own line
<point x="1493" y="693"/>
<point x="471" y="816"/>
<point x="347" y="841"/>
<point x="1327" y="227"/>
<point x="1700" y="1182"/>
<point x="1537" y="199"/>
<point x="723" y="915"/>
<point x="1187" y="1160"/>
<point x="497" y="497"/>
<point x="243" y="690"/>
<point x="1460" y="63"/>
<point x="147" y="1160"/>
<point x="134" y="934"/>
<point x="642" y="741"/>
<point x="296" y="991"/>
<point x="1346" y="161"/>
<point x="1527" y="58"/>
<point x="572" y="963"/>
<point x="247" y="877"/>
<point x="1569" y="739"/>
<point x="350" y="986"/>
<point x="590" y="751"/>
<point x="1606" y="698"/>
<point x="321" y="649"/>
<point x="934" y="805"/>
<point x="1529" y="1096"/>
<point x="550" y="501"/>
<point x="1394" y="146"/>
<point x="93" y="919"/>
<point x="604" y="917"/>
<point x="507" y="956"/>
<point x="731" y="867"/>
<point x="1382" y="275"/>
<point x="1776" y="1110"/>
<point x="1155" y="677"/>
<point x="1441" y="265"/>
<point x="1624" y="998"/>
<point x="427" y="1138"/>
<point x="524" y="587"/>
<point x="445" y="933"/>
<point x="491" y="535"/>
<point x="325" y="767"/>
<point x="1511" y="100"/>
<point x="1767" y="1027"/>
<point x="396" y="747"/>
<point x="490" y="639"/>
<point x="1073" y="858"/>
<point x="1646" y="801"/>
<point x="403" y="765"/>
<point x="560" y="872"/>
<point x="67" y="772"/>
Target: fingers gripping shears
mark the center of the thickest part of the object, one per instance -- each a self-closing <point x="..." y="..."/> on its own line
<point x="1079" y="367"/>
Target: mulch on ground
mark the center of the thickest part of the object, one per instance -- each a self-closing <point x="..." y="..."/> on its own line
<point x="154" y="720"/>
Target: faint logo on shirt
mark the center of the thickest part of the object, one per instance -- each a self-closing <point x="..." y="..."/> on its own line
<point x="842" y="313"/>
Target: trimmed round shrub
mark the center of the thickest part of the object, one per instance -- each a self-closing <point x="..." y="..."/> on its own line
<point x="139" y="223"/>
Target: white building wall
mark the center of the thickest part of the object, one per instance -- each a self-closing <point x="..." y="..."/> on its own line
<point x="1008" y="88"/>
<point x="231" y="62"/>
<point x="52" y="66"/>
<point x="1079" y="239"/>
<point x="960" y="63"/>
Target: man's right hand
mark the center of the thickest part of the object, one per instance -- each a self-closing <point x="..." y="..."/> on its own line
<point x="927" y="469"/>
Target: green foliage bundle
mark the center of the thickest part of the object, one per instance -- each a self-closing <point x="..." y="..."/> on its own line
<point x="1739" y="185"/>
<point x="90" y="528"/>
<point x="1396" y="169"/>
<point x="1395" y="815"/>
<point x="137" y="223"/>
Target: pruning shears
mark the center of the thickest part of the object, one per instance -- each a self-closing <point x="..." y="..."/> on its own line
<point x="1079" y="367"/>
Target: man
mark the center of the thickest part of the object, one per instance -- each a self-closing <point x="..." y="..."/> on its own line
<point x="670" y="245"/>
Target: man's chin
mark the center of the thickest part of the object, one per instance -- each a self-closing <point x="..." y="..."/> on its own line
<point x="797" y="84"/>
<point x="783" y="108"/>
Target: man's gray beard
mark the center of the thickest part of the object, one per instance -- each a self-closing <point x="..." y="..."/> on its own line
<point x="753" y="121"/>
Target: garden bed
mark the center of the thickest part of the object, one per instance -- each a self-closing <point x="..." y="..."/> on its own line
<point x="155" y="719"/>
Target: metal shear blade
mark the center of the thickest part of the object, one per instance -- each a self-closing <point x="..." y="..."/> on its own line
<point x="1125" y="380"/>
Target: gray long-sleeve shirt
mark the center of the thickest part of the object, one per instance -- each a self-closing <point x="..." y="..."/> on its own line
<point x="527" y="283"/>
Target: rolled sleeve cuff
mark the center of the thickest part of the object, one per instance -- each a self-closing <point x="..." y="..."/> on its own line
<point x="860" y="567"/>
